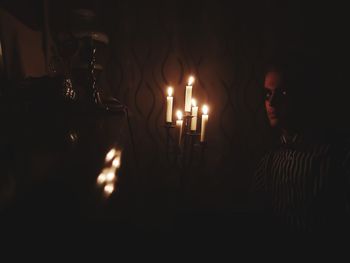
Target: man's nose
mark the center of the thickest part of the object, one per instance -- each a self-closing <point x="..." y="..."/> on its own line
<point x="273" y="100"/>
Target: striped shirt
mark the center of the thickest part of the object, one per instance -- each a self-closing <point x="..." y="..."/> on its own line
<point x="306" y="182"/>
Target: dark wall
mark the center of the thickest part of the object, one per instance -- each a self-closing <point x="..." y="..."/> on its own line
<point x="224" y="44"/>
<point x="159" y="43"/>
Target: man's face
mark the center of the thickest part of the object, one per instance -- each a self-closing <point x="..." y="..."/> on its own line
<point x="275" y="99"/>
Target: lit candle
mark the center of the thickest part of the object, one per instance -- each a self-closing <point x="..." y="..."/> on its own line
<point x="188" y="94"/>
<point x="204" y="122"/>
<point x="169" y="105"/>
<point x="179" y="122"/>
<point x="194" y="115"/>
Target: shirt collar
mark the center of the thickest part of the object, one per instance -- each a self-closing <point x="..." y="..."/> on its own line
<point x="287" y="140"/>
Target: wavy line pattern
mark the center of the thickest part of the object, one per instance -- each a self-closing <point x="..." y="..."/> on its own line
<point x="159" y="51"/>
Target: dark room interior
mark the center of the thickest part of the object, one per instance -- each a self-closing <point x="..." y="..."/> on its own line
<point x="84" y="136"/>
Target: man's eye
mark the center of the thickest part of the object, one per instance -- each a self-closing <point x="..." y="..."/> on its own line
<point x="267" y="94"/>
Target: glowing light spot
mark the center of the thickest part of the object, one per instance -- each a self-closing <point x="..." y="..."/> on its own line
<point x="170" y="91"/>
<point x="179" y="115"/>
<point x="194" y="103"/>
<point x="101" y="179"/>
<point x="116" y="163"/>
<point x="109" y="188"/>
<point x="190" y="80"/>
<point x="205" y="109"/>
<point x="110" y="176"/>
<point x="110" y="155"/>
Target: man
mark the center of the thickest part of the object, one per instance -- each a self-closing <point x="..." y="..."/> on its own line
<point x="304" y="180"/>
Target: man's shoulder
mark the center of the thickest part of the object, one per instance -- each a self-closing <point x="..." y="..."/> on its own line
<point x="340" y="146"/>
<point x="341" y="140"/>
<point x="333" y="138"/>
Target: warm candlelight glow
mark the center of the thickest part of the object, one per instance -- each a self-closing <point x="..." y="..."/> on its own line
<point x="109" y="188"/>
<point x="116" y="162"/>
<point x="110" y="176"/>
<point x="170" y="91"/>
<point x="110" y="155"/>
<point x="101" y="178"/>
<point x="205" y="109"/>
<point x="188" y="94"/>
<point x="169" y="105"/>
<point x="190" y="80"/>
<point x="179" y="123"/>
<point x="179" y="115"/>
<point x="194" y="115"/>
<point x="194" y="103"/>
<point x="205" y="117"/>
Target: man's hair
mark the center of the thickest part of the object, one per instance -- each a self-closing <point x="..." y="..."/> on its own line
<point x="306" y="78"/>
<point x="299" y="71"/>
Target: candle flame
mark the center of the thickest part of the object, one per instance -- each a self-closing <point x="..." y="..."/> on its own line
<point x="190" y="80"/>
<point x="179" y="115"/>
<point x="116" y="162"/>
<point x="194" y="103"/>
<point x="170" y="91"/>
<point x="205" y="109"/>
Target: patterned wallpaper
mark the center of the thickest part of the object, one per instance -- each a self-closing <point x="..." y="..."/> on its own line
<point x="155" y="44"/>
<point x="223" y="44"/>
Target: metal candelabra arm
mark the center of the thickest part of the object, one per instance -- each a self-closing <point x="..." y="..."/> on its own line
<point x="93" y="90"/>
<point x="187" y="151"/>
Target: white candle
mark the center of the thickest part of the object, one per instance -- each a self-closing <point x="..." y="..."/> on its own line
<point x="194" y="115"/>
<point x="204" y="122"/>
<point x="188" y="94"/>
<point x="179" y="122"/>
<point x="169" y="105"/>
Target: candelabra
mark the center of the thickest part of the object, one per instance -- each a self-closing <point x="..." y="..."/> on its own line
<point x="184" y="148"/>
<point x="185" y="152"/>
